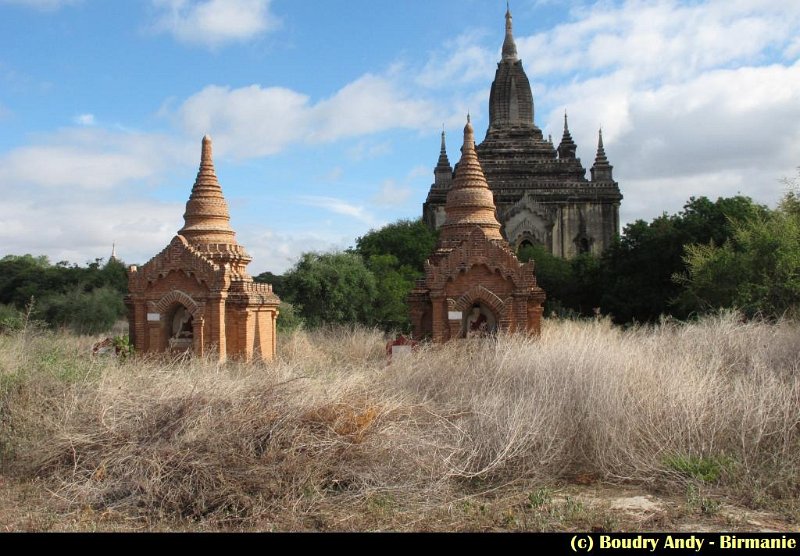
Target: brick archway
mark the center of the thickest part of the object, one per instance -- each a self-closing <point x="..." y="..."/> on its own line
<point x="177" y="296"/>
<point x="479" y="294"/>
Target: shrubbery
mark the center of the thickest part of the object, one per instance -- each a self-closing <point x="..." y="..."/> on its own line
<point x="87" y="300"/>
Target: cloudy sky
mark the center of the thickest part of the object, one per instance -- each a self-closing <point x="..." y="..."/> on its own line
<point x="326" y="114"/>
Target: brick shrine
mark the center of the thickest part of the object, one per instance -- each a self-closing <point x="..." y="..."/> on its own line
<point x="196" y="295"/>
<point x="474" y="284"/>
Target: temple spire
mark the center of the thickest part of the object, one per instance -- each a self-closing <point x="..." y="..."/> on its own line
<point x="567" y="148"/>
<point x="601" y="170"/>
<point x="443" y="173"/>
<point x="207" y="220"/>
<point x="509" y="46"/>
<point x="470" y="203"/>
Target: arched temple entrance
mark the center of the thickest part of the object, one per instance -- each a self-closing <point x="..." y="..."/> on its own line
<point x="179" y="328"/>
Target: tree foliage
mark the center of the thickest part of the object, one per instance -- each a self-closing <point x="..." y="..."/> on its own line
<point x="409" y="241"/>
<point x="756" y="270"/>
<point x="637" y="271"/>
<point x="331" y="288"/>
<point x="85" y="299"/>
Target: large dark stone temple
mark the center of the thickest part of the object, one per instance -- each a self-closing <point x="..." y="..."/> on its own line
<point x="541" y="191"/>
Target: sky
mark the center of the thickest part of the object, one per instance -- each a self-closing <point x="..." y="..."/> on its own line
<point x="326" y="114"/>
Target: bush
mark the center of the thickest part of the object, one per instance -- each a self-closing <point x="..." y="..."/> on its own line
<point x="84" y="312"/>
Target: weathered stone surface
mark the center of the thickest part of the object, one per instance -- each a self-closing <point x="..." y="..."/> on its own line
<point x="196" y="294"/>
<point x="541" y="193"/>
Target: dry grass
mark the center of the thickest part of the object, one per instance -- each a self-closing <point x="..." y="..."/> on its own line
<point x="329" y="437"/>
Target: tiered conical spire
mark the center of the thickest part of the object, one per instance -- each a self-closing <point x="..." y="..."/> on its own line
<point x="601" y="170"/>
<point x="509" y="45"/>
<point x="206" y="219"/>
<point x="470" y="203"/>
<point x="567" y="148"/>
<point x="443" y="173"/>
<point x="444" y="162"/>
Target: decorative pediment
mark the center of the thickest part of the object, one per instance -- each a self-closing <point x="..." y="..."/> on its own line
<point x="478" y="250"/>
<point x="529" y="204"/>
<point x="180" y="256"/>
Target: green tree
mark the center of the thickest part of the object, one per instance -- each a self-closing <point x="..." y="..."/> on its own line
<point x="59" y="289"/>
<point x="84" y="312"/>
<point x="394" y="282"/>
<point x="331" y="288"/>
<point x="278" y="282"/>
<point x="637" y="271"/>
<point x="410" y="241"/>
<point x="396" y="256"/>
<point x="757" y="270"/>
<point x="553" y="274"/>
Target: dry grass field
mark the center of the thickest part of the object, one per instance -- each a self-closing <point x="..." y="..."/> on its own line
<point x="677" y="426"/>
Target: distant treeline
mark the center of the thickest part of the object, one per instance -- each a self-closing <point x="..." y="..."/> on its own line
<point x="86" y="300"/>
<point x="728" y="253"/>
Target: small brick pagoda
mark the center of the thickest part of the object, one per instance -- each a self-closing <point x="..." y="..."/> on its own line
<point x="196" y="295"/>
<point x="474" y="284"/>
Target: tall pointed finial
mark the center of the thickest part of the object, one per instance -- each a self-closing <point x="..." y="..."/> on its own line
<point x="469" y="136"/>
<point x="206" y="156"/>
<point x="567" y="149"/>
<point x="601" y="170"/>
<point x="443" y="171"/>
<point x="113" y="256"/>
<point x="509" y="46"/>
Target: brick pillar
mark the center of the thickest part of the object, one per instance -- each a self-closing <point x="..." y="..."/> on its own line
<point x="274" y="335"/>
<point x="198" y="330"/>
<point x="248" y="321"/>
<point x="216" y="305"/>
<point x="520" y="314"/>
<point x="138" y="326"/>
<point x="535" y="311"/>
<point x="439" y="318"/>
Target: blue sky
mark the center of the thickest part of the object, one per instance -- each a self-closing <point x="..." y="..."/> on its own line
<point x="326" y="114"/>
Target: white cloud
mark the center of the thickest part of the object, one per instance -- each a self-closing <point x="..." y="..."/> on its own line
<point x="461" y="61"/>
<point x="84" y="119"/>
<point x="81" y="228"/>
<point x="250" y="121"/>
<point x="333" y="175"/>
<point x="41" y="5"/>
<point x="339" y="206"/>
<point x="392" y="194"/>
<point x="367" y="150"/>
<point x="214" y="22"/>
<point x="89" y="158"/>
<point x="276" y="252"/>
<point x="254" y="121"/>
<point x="662" y="39"/>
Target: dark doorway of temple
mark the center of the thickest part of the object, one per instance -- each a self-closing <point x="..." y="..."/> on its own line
<point x="525" y="251"/>
<point x="180" y="330"/>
